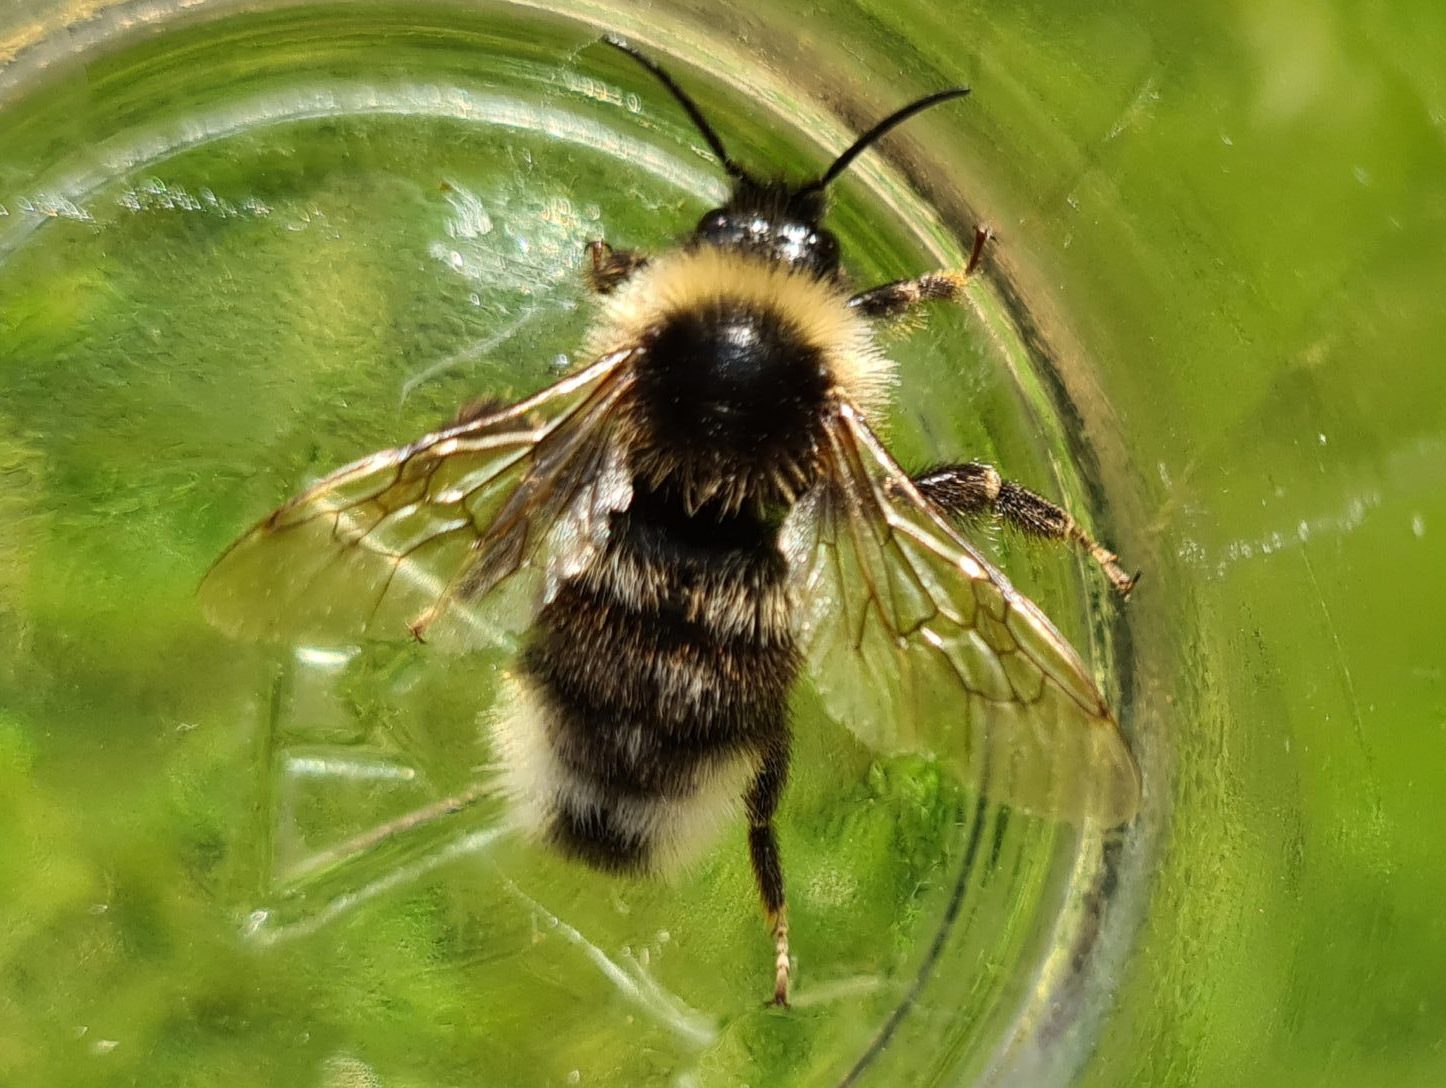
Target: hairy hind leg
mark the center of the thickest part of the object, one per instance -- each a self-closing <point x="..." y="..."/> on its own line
<point x="761" y="802"/>
<point x="975" y="489"/>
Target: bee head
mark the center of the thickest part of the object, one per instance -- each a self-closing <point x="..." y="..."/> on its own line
<point x="774" y="219"/>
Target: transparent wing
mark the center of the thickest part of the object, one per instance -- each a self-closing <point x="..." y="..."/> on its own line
<point x="407" y="538"/>
<point x="917" y="644"/>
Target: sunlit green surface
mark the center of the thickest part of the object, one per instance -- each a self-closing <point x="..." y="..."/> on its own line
<point x="1226" y="227"/>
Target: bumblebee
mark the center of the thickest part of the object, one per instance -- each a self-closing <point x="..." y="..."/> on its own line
<point x="687" y="523"/>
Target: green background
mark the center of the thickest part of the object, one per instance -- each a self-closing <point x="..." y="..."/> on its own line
<point x="1226" y="227"/>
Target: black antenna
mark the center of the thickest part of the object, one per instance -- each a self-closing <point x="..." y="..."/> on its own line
<point x="898" y="117"/>
<point x="694" y="113"/>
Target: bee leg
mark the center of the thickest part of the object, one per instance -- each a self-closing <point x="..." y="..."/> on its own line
<point x="762" y="802"/>
<point x="893" y="299"/>
<point x="977" y="490"/>
<point x="610" y="268"/>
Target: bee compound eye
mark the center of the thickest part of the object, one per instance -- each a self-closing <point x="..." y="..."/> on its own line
<point x="713" y="222"/>
<point x="823" y="250"/>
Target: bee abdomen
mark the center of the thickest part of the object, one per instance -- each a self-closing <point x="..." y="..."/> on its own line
<point x="684" y="683"/>
<point x="652" y="684"/>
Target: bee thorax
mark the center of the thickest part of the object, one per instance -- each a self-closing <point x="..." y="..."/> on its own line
<point x="730" y="393"/>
